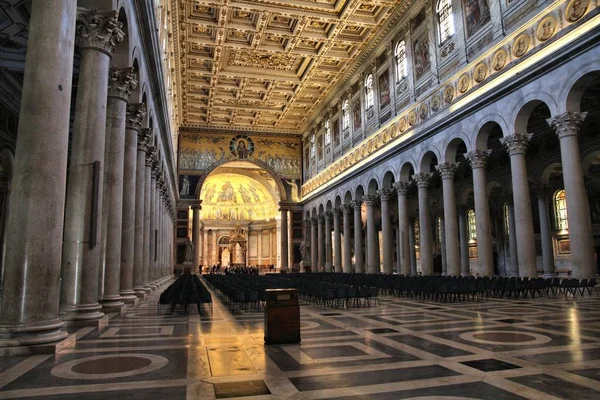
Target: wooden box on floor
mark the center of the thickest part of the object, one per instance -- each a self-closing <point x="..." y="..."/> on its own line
<point x="282" y="316"/>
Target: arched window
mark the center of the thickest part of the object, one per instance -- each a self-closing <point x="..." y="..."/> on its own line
<point x="401" y="60"/>
<point x="560" y="210"/>
<point x="345" y="115"/>
<point x="313" y="146"/>
<point x="417" y="233"/>
<point x="506" y="220"/>
<point x="369" y="91"/>
<point x="327" y="133"/>
<point x="445" y="20"/>
<point x="439" y="227"/>
<point x="471" y="225"/>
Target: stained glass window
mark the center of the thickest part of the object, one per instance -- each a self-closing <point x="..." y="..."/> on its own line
<point x="560" y="210"/>
<point x="471" y="225"/>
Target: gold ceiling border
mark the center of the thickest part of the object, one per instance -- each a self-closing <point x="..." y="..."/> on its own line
<point x="454" y="93"/>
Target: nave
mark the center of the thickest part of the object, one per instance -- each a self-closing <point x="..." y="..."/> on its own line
<point x="404" y="348"/>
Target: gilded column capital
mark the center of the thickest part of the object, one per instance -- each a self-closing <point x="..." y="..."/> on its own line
<point x="98" y="30"/>
<point x="402" y="187"/>
<point x="477" y="158"/>
<point x="356" y="204"/>
<point x="447" y="170"/>
<point x="370" y="199"/>
<point x="567" y="124"/>
<point x="385" y="193"/>
<point x="121" y="81"/>
<point x="135" y="115"/>
<point x="517" y="143"/>
<point x="423" y="179"/>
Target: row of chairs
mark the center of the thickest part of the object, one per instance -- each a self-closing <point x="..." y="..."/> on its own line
<point x="187" y="289"/>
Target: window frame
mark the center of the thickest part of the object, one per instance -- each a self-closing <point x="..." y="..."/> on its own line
<point x="369" y="92"/>
<point x="471" y="226"/>
<point x="561" y="216"/>
<point x="345" y="115"/>
<point x="445" y="20"/>
<point x="327" y="136"/>
<point x="401" y="73"/>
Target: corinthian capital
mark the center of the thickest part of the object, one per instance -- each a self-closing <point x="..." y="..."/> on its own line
<point x="121" y="81"/>
<point x="423" y="179"/>
<point x="144" y="136"/>
<point x="447" y="170"/>
<point x="370" y="199"/>
<point x="385" y="193"/>
<point x="135" y="115"/>
<point x="477" y="158"/>
<point x="150" y="152"/>
<point x="402" y="187"/>
<point x="567" y="124"/>
<point x="100" y="30"/>
<point x="356" y="204"/>
<point x="517" y="143"/>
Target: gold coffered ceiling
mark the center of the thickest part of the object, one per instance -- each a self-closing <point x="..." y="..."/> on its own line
<point x="267" y="65"/>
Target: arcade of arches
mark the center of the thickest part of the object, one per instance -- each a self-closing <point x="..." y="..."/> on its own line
<point x="343" y="140"/>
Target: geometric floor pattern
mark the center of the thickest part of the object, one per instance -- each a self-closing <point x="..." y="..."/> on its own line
<point x="542" y="348"/>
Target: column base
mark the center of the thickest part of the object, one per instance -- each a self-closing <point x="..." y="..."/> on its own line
<point x="147" y="288"/>
<point x="43" y="333"/>
<point x="128" y="296"/>
<point x="83" y="314"/>
<point x="47" y="348"/>
<point x="111" y="303"/>
<point x="99" y="323"/>
<point x="139" y="292"/>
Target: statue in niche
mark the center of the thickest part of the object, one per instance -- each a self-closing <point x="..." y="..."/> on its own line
<point x="185" y="186"/>
<point x="189" y="250"/>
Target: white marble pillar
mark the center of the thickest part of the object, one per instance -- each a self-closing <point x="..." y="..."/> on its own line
<point x="412" y="243"/>
<point x="447" y="171"/>
<point x="140" y="182"/>
<point x="386" y="230"/>
<point x="135" y="115"/>
<point x="337" y="241"/>
<point x="545" y="232"/>
<point x="112" y="205"/>
<point x="314" y="236"/>
<point x="30" y="305"/>
<point x="81" y="253"/>
<point x="517" y="145"/>
<point x="443" y="245"/>
<point x="359" y="263"/>
<point x="465" y="266"/>
<point x="403" y="227"/>
<point x="485" y="253"/>
<point x="196" y="233"/>
<point x="513" y="265"/>
<point x="150" y="154"/>
<point x="423" y="180"/>
<point x="201" y="260"/>
<point x="328" y="245"/>
<point x="373" y="266"/>
<point x="284" y="246"/>
<point x="321" y="244"/>
<point x="583" y="263"/>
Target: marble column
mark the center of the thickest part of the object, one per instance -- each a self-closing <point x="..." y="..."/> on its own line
<point x="542" y="192"/>
<point x="347" y="254"/>
<point x="423" y="180"/>
<point x="485" y="252"/>
<point x="140" y="182"/>
<point x="150" y="154"/>
<point x="154" y="174"/>
<point x="30" y="305"/>
<point x="386" y="231"/>
<point x="443" y="245"/>
<point x="284" y="247"/>
<point x="196" y="233"/>
<point x="465" y="264"/>
<point x="337" y="240"/>
<point x="517" y="145"/>
<point x="80" y="251"/>
<point x="447" y="171"/>
<point x="135" y="115"/>
<point x="200" y="245"/>
<point x="206" y="255"/>
<point x="359" y="264"/>
<point x="314" y="257"/>
<point x="403" y="227"/>
<point x="112" y="206"/>
<point x="412" y="248"/>
<point x="583" y="263"/>
<point x="321" y="244"/>
<point x="328" y="247"/>
<point x="513" y="266"/>
<point x="373" y="266"/>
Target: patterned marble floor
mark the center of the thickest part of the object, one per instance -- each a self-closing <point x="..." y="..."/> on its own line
<point x="497" y="349"/>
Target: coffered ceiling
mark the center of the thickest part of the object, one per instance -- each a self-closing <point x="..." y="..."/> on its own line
<point x="267" y="65"/>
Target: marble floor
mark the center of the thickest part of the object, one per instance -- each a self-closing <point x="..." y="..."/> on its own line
<point x="496" y="349"/>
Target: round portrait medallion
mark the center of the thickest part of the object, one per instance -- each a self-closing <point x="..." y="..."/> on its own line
<point x="241" y="146"/>
<point x="546" y="28"/>
<point x="464" y="83"/>
<point x="521" y="45"/>
<point x="481" y="72"/>
<point x="576" y="9"/>
<point x="499" y="59"/>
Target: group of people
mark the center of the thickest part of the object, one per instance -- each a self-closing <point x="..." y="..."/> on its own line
<point x="241" y="271"/>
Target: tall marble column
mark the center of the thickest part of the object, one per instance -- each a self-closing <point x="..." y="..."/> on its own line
<point x="423" y="180"/>
<point x="140" y="182"/>
<point x="321" y="244"/>
<point x="517" y="145"/>
<point x="206" y="255"/>
<point x="513" y="265"/>
<point x="443" y="246"/>
<point x="412" y="248"/>
<point x="347" y="254"/>
<point x="465" y="265"/>
<point x="337" y="241"/>
<point x="485" y="253"/>
<point x="154" y="172"/>
<point x="112" y="206"/>
<point x="545" y="232"/>
<point x="97" y="35"/>
<point x="200" y="245"/>
<point x="30" y="305"/>
<point x="386" y="231"/>
<point x="196" y="233"/>
<point x="314" y="257"/>
<point x="135" y="114"/>
<point x="403" y="227"/>
<point x="373" y="266"/>
<point x="284" y="247"/>
<point x="328" y="215"/>
<point x="150" y="154"/>
<point x="583" y="264"/>
<point x="359" y="264"/>
<point x="447" y="171"/>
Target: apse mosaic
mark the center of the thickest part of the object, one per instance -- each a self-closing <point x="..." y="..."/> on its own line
<point x="236" y="197"/>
